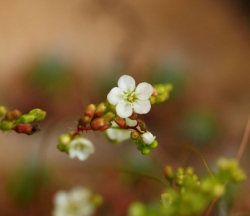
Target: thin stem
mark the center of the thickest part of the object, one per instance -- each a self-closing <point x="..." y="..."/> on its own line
<point x="244" y="141"/>
<point x="149" y="176"/>
<point x="238" y="157"/>
<point x="201" y="156"/>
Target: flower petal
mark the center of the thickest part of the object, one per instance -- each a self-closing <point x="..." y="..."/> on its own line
<point x="142" y="106"/>
<point x="124" y="110"/>
<point x="144" y="91"/>
<point x="148" y="138"/>
<point x="131" y="122"/>
<point x="115" y="96"/>
<point x="126" y="83"/>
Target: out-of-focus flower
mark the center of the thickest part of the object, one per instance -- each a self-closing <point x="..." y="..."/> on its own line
<point x="128" y="98"/>
<point x="116" y="134"/>
<point x="76" y="202"/>
<point x="148" y="138"/>
<point x="80" y="148"/>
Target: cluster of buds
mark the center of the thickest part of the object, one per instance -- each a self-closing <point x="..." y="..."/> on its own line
<point x="15" y="120"/>
<point x="192" y="195"/>
<point x="161" y="93"/>
<point x="118" y="117"/>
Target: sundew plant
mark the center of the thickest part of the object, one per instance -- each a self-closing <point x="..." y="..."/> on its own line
<point x="118" y="117"/>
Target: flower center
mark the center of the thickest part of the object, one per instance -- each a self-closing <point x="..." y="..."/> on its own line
<point x="130" y="98"/>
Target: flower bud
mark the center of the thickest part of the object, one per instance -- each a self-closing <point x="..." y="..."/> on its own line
<point x="143" y="125"/>
<point x="23" y="128"/>
<point x="148" y="138"/>
<point x="96" y="199"/>
<point x="189" y="171"/>
<point x="41" y="116"/>
<point x="218" y="190"/>
<point x="120" y="121"/>
<point x="152" y="99"/>
<point x="159" y="88"/>
<point x="145" y="151"/>
<point x="3" y="111"/>
<point x="27" y="118"/>
<point x="100" y="109"/>
<point x="84" y="120"/>
<point x="90" y="110"/>
<point x="153" y="144"/>
<point x="109" y="116"/>
<point x="6" y="125"/>
<point x="133" y="116"/>
<point x="97" y="124"/>
<point x="64" y="139"/>
<point x="134" y="135"/>
<point x="13" y="115"/>
<point x="61" y="147"/>
<point x="179" y="180"/>
<point x="107" y="125"/>
<point x="168" y="87"/>
<point x="166" y="199"/>
<point x="155" y="92"/>
<point x="169" y="173"/>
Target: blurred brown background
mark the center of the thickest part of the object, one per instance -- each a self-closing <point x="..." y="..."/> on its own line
<point x="62" y="55"/>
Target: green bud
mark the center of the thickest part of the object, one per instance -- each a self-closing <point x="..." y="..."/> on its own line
<point x="6" y="125"/>
<point x="3" y="111"/>
<point x="36" y="111"/>
<point x="166" y="199"/>
<point x="153" y="145"/>
<point x="41" y="116"/>
<point x="145" y="151"/>
<point x="64" y="139"/>
<point x="139" y="147"/>
<point x="180" y="171"/>
<point x="109" y="116"/>
<point x="179" y="180"/>
<point x="137" y="209"/>
<point x="169" y="173"/>
<point x="159" y="99"/>
<point x="61" y="147"/>
<point x="160" y="88"/>
<point x="96" y="199"/>
<point x="27" y="118"/>
<point x="134" y="135"/>
<point x="152" y="99"/>
<point x="84" y="120"/>
<point x="100" y="109"/>
<point x="168" y="87"/>
<point x="189" y="171"/>
<point x="218" y="190"/>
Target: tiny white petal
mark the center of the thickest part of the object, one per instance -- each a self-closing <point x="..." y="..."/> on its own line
<point x="148" y="138"/>
<point x="131" y="122"/>
<point x="144" y="91"/>
<point x="80" y="148"/>
<point x="142" y="106"/>
<point x="124" y="110"/>
<point x="126" y="83"/>
<point x="115" y="96"/>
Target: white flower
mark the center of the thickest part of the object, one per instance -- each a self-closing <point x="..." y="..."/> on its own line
<point x="76" y="202"/>
<point x="148" y="138"/>
<point x="127" y="98"/>
<point x="116" y="134"/>
<point x="80" y="148"/>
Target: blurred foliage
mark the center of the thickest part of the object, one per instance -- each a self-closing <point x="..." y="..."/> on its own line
<point x="199" y="127"/>
<point x="25" y="183"/>
<point x="51" y="76"/>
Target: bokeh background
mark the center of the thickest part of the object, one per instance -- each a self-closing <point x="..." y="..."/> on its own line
<point x="62" y="55"/>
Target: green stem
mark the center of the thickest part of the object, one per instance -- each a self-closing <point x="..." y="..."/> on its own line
<point x="149" y="176"/>
<point x="201" y="156"/>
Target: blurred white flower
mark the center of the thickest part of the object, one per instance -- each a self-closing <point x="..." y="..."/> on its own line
<point x="127" y="98"/>
<point x="148" y="138"/>
<point x="80" y="148"/>
<point x="76" y="202"/>
<point x="116" y="134"/>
